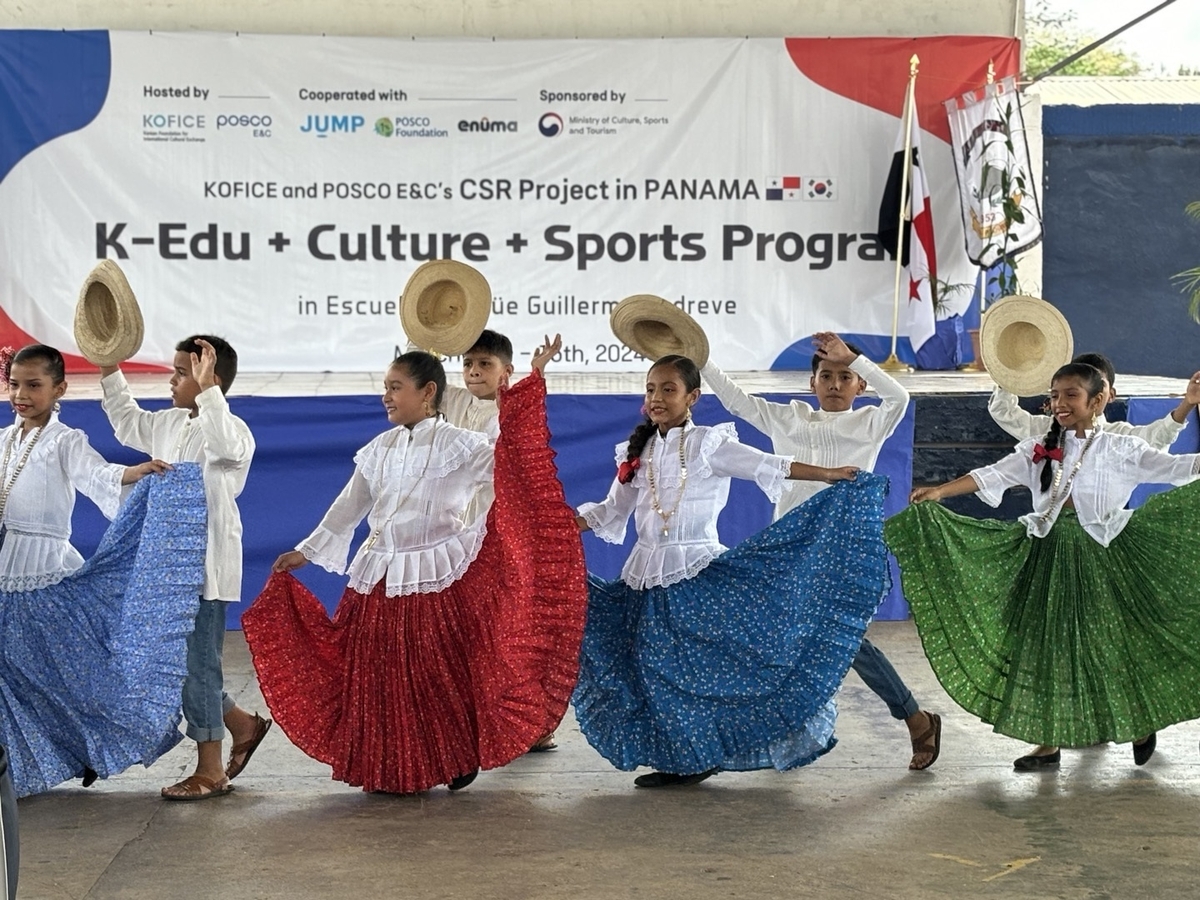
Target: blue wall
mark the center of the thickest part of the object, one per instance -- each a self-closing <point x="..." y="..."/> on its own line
<point x="1117" y="179"/>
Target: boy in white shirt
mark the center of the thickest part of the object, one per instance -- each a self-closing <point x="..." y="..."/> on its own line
<point x="1159" y="434"/>
<point x="838" y="434"/>
<point x="201" y="428"/>
<point x="488" y="366"/>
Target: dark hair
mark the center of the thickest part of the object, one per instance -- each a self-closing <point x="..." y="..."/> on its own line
<point x="52" y="359"/>
<point x="689" y="372"/>
<point x="423" y="368"/>
<point x="226" y="366"/>
<point x="495" y="344"/>
<point x="816" y="360"/>
<point x="1093" y="380"/>
<point x="1098" y="361"/>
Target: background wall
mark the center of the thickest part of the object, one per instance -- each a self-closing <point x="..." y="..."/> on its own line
<point x="529" y="18"/>
<point x="1117" y="178"/>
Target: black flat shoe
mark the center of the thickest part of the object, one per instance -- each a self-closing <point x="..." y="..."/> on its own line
<point x="463" y="780"/>
<point x="669" y="779"/>
<point x="89" y="775"/>
<point x="1143" y="751"/>
<point x="1034" y="763"/>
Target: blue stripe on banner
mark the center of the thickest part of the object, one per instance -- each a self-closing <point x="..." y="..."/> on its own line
<point x="51" y="83"/>
<point x="306" y="445"/>
<point x="949" y="348"/>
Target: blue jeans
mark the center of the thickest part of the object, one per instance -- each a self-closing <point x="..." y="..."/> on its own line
<point x="204" y="699"/>
<point x="874" y="669"/>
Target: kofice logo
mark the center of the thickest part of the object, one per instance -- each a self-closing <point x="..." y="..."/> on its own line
<point x="257" y="124"/>
<point x="173" y="121"/>
<point x="486" y="125"/>
<point x="325" y="125"/>
<point x="550" y="124"/>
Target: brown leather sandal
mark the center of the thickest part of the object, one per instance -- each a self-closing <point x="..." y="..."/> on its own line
<point x="239" y="754"/>
<point x="928" y="741"/>
<point x="197" y="787"/>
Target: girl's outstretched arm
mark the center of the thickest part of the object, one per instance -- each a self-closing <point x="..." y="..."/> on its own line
<point x="956" y="488"/>
<point x="804" y="472"/>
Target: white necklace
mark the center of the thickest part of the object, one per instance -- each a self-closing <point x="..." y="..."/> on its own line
<point x="7" y="487"/>
<point x="375" y="533"/>
<point x="666" y="514"/>
<point x="1055" y="495"/>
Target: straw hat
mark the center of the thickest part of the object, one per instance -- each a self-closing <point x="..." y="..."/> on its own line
<point x="108" y="320"/>
<point x="445" y="306"/>
<point x="655" y="327"/>
<point x="1023" y="342"/>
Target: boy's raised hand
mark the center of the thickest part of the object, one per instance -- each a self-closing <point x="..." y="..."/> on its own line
<point x="204" y="365"/>
<point x="831" y="347"/>
<point x="1192" y="395"/>
<point x="546" y="352"/>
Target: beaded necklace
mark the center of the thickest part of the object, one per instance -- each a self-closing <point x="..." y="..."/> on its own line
<point x="666" y="514"/>
<point x="374" y="536"/>
<point x="1055" y="496"/>
<point x="7" y="487"/>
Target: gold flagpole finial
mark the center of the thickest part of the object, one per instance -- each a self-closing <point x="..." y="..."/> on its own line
<point x="913" y="63"/>
<point x="991" y="76"/>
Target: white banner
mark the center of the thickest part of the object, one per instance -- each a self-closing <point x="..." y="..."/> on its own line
<point x="280" y="190"/>
<point x="997" y="192"/>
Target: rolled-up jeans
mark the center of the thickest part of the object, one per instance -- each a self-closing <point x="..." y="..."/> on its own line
<point x="877" y="673"/>
<point x="204" y="699"/>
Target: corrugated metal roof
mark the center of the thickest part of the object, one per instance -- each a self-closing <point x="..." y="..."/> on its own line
<point x="1074" y="90"/>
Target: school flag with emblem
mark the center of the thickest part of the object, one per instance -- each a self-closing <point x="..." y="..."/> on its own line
<point x="918" y="254"/>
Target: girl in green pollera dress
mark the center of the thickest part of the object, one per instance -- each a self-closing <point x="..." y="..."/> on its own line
<point x="1079" y="623"/>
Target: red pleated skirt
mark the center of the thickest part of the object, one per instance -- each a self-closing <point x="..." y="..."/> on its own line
<point x="400" y="694"/>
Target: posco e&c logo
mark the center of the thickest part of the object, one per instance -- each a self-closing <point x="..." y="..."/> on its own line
<point x="550" y="124"/>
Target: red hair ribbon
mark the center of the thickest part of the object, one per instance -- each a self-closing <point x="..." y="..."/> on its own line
<point x="6" y="357"/>
<point x="626" y="470"/>
<point x="1040" y="453"/>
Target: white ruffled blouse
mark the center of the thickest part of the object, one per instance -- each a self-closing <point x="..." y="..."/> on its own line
<point x="36" y="551"/>
<point x="414" y="487"/>
<point x="1114" y="465"/>
<point x="713" y="457"/>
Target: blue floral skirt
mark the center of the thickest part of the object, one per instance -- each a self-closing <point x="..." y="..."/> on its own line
<point x="736" y="667"/>
<point x="91" y="668"/>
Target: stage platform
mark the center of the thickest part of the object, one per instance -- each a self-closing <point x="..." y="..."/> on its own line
<point x="307" y="427"/>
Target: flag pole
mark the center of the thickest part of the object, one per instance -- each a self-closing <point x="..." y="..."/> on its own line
<point x="976" y="365"/>
<point x="893" y="363"/>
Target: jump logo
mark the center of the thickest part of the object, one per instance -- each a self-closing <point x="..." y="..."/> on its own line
<point x="324" y="126"/>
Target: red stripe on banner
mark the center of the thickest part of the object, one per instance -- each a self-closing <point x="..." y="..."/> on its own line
<point x="12" y="335"/>
<point x="873" y="71"/>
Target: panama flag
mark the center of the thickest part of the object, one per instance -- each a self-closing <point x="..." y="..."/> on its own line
<point x="918" y="255"/>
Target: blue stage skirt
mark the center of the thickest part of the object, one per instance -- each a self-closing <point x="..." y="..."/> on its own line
<point x="92" y="668"/>
<point x="736" y="667"/>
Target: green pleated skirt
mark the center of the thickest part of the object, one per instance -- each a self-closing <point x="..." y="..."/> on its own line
<point x="1059" y="640"/>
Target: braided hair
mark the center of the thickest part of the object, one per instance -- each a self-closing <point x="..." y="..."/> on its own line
<point x="1093" y="380"/>
<point x="689" y="374"/>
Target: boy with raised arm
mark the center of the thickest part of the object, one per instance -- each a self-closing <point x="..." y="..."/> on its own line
<point x="837" y="434"/>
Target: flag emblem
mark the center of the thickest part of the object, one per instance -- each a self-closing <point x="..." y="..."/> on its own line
<point x="785" y="187"/>
<point x="819" y="188"/>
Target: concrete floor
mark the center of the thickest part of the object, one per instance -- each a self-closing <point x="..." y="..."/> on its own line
<point x="567" y="825"/>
